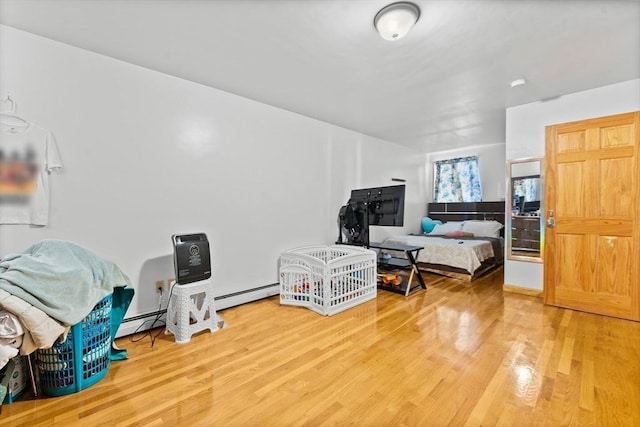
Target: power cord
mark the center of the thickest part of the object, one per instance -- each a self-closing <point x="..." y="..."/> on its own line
<point x="153" y="323"/>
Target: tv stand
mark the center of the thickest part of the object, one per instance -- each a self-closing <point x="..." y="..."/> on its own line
<point x="408" y="263"/>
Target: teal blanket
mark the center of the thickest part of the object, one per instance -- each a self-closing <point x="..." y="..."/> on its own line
<point x="61" y="278"/>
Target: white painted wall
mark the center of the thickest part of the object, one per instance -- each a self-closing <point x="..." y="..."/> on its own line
<point x="525" y="138"/>
<point x="371" y="162"/>
<point x="147" y="155"/>
<point x="491" y="161"/>
<point x="406" y="166"/>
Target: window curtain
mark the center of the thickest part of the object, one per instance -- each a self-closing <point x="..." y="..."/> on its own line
<point x="457" y="180"/>
<point x="526" y="187"/>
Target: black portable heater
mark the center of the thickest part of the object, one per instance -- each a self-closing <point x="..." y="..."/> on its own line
<point x="191" y="259"/>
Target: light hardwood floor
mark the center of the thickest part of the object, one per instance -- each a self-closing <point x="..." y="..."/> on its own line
<point x="456" y="354"/>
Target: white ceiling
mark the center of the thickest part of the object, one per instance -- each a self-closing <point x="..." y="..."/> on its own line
<point x="444" y="86"/>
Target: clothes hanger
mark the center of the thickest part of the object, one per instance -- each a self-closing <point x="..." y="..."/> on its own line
<point x="12" y="123"/>
<point x="9" y="120"/>
<point x="8" y="105"/>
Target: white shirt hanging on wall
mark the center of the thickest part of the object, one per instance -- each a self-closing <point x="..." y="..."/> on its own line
<point x="28" y="156"/>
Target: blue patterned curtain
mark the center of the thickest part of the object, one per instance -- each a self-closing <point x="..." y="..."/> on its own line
<point x="526" y="187"/>
<point x="457" y="180"/>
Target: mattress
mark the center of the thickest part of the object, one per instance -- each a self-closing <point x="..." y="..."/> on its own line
<point x="464" y="253"/>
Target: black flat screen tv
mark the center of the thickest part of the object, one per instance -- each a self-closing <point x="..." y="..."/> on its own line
<point x="385" y="205"/>
<point x="379" y="206"/>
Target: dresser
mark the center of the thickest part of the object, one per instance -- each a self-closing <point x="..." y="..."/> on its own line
<point x="525" y="233"/>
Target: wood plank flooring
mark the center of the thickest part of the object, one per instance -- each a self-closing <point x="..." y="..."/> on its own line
<point x="460" y="354"/>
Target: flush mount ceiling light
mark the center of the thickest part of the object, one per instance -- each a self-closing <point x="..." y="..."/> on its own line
<point x="394" y="21"/>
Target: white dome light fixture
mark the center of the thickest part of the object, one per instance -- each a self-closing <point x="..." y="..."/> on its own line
<point x="394" y="21"/>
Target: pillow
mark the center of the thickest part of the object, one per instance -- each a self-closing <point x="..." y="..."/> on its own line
<point x="442" y="229"/>
<point x="428" y="224"/>
<point x="483" y="228"/>
<point x="458" y="234"/>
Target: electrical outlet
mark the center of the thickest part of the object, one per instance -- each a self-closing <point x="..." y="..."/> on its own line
<point x="160" y="286"/>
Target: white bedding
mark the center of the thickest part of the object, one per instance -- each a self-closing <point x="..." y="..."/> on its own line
<point x="464" y="254"/>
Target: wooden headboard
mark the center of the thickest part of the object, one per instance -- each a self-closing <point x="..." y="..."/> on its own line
<point x="461" y="211"/>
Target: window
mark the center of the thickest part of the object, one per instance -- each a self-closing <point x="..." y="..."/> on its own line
<point x="526" y="187"/>
<point x="457" y="180"/>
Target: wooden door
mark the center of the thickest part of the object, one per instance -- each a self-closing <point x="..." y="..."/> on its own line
<point x="592" y="192"/>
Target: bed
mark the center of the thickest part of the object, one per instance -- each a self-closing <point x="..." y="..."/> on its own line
<point x="452" y="252"/>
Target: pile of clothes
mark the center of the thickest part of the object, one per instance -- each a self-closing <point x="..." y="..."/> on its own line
<point x="11" y="336"/>
<point x="40" y="331"/>
<point x="50" y="287"/>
